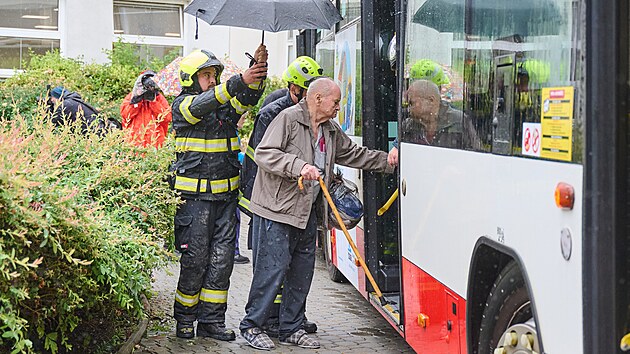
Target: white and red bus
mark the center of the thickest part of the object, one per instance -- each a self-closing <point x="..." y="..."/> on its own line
<point x="520" y="242"/>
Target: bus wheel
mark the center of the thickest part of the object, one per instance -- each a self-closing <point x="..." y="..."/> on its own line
<point x="334" y="273"/>
<point x="508" y="320"/>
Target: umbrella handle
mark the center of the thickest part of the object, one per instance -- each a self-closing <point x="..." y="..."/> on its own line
<point x="263" y="37"/>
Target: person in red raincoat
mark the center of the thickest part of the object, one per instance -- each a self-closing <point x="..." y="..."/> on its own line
<point x="146" y="113"/>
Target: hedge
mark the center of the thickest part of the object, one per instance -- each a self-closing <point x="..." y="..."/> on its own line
<point x="84" y="220"/>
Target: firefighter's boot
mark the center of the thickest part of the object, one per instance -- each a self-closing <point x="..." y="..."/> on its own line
<point x="185" y="330"/>
<point x="216" y="331"/>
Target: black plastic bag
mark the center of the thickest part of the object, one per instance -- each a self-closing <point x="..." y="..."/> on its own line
<point x="345" y="195"/>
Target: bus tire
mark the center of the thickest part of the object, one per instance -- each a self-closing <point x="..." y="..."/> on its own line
<point x="508" y="303"/>
<point x="333" y="273"/>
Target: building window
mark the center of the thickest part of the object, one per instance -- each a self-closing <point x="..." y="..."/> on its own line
<point x="26" y="27"/>
<point x="34" y="15"/>
<point x="156" y="28"/>
<point x="15" y="51"/>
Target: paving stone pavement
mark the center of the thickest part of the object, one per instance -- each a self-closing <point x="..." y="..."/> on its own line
<point x="347" y="322"/>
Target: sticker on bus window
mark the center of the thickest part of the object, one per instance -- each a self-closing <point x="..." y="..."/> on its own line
<point x="531" y="139"/>
<point x="557" y="123"/>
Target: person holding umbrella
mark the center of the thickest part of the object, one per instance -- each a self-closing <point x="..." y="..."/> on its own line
<point x="205" y="116"/>
<point x="301" y="141"/>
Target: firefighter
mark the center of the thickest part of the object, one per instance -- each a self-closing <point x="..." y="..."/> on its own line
<point x="205" y="115"/>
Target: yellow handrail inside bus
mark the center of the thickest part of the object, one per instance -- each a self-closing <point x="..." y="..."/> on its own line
<point x="387" y="204"/>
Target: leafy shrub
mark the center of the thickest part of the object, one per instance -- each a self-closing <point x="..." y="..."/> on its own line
<point x="273" y="83"/>
<point x="83" y="219"/>
<point x="82" y="222"/>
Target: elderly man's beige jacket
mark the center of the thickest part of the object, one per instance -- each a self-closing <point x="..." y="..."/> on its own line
<point x="285" y="149"/>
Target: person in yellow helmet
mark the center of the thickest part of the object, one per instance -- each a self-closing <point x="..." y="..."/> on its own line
<point x="299" y="74"/>
<point x="427" y="69"/>
<point x="205" y="115"/>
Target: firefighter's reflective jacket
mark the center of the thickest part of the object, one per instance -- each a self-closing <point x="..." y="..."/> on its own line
<point x="207" y="145"/>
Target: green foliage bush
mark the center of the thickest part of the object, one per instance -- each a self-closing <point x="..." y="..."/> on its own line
<point x="83" y="219"/>
<point x="272" y="84"/>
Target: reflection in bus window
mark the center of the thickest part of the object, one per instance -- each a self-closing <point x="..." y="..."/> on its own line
<point x="432" y="121"/>
<point x="540" y="36"/>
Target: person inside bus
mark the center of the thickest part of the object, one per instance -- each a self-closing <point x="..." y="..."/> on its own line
<point x="432" y="121"/>
<point x="301" y="141"/>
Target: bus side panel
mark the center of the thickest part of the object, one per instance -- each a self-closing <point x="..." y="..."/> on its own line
<point x="441" y="309"/>
<point x="344" y="259"/>
<point x="454" y="197"/>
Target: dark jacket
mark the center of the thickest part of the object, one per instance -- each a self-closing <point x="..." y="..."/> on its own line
<point x="279" y="93"/>
<point x="206" y="140"/>
<point x="73" y="107"/>
<point x="248" y="174"/>
<point x="454" y="130"/>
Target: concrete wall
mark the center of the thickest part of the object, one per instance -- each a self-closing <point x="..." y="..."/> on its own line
<point x="86" y="29"/>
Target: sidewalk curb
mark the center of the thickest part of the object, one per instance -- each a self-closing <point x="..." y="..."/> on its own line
<point x="136" y="337"/>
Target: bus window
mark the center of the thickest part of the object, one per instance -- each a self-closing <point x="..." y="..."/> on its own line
<point x="460" y="48"/>
<point x="434" y="82"/>
<point x="510" y="116"/>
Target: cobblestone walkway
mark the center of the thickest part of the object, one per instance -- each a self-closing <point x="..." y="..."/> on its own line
<point x="347" y="323"/>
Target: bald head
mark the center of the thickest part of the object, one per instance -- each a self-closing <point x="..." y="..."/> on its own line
<point x="424" y="100"/>
<point x="424" y="88"/>
<point x="323" y="86"/>
<point x="323" y="98"/>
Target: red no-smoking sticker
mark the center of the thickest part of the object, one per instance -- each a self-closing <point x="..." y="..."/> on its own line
<point x="531" y="139"/>
<point x="527" y="139"/>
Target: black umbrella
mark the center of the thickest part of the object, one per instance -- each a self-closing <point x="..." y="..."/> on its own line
<point x="267" y="15"/>
<point x="492" y="18"/>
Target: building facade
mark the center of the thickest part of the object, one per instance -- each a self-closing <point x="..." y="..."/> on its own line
<point x="85" y="29"/>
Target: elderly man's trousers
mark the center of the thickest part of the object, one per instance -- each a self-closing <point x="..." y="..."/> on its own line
<point x="286" y="254"/>
<point x="205" y="233"/>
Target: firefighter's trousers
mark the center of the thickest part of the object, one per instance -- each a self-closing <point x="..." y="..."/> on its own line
<point x="205" y="233"/>
<point x="286" y="254"/>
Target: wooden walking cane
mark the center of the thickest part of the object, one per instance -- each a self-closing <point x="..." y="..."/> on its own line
<point x="379" y="294"/>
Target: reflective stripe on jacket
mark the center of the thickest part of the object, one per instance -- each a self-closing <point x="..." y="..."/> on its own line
<point x="206" y="139"/>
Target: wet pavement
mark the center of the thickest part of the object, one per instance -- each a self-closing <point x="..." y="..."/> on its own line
<point x="347" y="322"/>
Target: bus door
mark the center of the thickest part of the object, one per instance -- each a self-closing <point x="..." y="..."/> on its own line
<point x="503" y="115"/>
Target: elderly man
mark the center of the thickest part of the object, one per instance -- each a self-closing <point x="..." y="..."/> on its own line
<point x="301" y="142"/>
<point x="299" y="74"/>
<point x="432" y="121"/>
